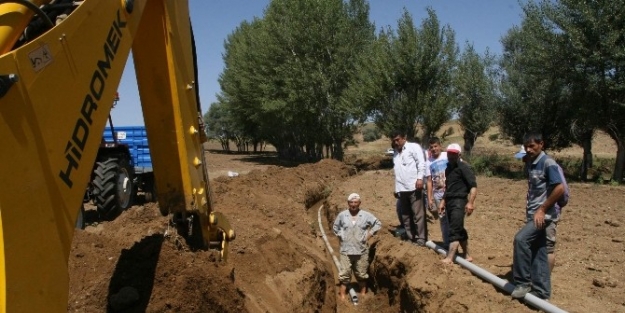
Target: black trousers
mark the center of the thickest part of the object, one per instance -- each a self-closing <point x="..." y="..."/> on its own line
<point x="455" y="215"/>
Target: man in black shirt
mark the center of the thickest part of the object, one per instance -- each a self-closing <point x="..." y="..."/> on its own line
<point x="460" y="192"/>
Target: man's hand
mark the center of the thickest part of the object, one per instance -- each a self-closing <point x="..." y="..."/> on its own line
<point x="432" y="206"/>
<point x="441" y="207"/>
<point x="469" y="208"/>
<point x="419" y="184"/>
<point x="539" y="218"/>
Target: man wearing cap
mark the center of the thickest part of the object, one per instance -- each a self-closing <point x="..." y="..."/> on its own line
<point x="458" y="200"/>
<point x="530" y="265"/>
<point x="354" y="227"/>
<point x="409" y="167"/>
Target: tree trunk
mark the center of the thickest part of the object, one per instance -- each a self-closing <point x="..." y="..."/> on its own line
<point x="224" y="144"/>
<point x="620" y="162"/>
<point x="425" y="137"/>
<point x="587" y="157"/>
<point x="469" y="142"/>
<point x="338" y="150"/>
<point x="617" y="174"/>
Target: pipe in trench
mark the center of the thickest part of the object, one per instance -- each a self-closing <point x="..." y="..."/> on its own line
<point x="352" y="293"/>
<point x="498" y="282"/>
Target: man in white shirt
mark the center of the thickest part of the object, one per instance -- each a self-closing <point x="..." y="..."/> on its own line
<point x="409" y="167"/>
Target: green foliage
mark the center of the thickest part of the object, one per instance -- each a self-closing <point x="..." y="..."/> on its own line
<point x="475" y="89"/>
<point x="492" y="164"/>
<point x="493" y="137"/>
<point x="219" y="124"/>
<point x="564" y="74"/>
<point x="405" y="76"/>
<point x="286" y="74"/>
<point x="371" y="134"/>
<point x="600" y="172"/>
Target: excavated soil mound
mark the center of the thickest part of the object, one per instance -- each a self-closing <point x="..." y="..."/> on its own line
<point x="279" y="262"/>
<point x="136" y="263"/>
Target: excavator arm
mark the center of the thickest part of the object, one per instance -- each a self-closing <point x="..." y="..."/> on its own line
<point x="56" y="93"/>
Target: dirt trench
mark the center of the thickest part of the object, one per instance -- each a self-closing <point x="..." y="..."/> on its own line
<point x="279" y="262"/>
<point x="389" y="288"/>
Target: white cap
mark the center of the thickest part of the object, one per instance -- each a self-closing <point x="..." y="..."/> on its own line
<point x="353" y="196"/>
<point x="521" y="153"/>
<point x="454" y="148"/>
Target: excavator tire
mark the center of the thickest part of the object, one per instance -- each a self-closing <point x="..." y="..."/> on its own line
<point x="113" y="186"/>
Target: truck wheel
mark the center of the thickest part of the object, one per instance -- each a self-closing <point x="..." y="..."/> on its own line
<point x="113" y="186"/>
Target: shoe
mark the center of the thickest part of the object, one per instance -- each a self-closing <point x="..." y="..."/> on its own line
<point x="400" y="232"/>
<point x="519" y="292"/>
<point x="419" y="242"/>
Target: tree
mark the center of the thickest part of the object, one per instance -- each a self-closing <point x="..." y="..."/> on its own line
<point x="535" y="95"/>
<point x="287" y="74"/>
<point x="219" y="125"/>
<point x="241" y="82"/>
<point x="564" y="74"/>
<point x="405" y="77"/>
<point x="475" y="87"/>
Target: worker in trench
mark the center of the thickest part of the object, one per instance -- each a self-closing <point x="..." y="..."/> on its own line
<point x="354" y="227"/>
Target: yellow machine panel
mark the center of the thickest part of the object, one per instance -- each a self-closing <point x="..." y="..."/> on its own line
<point x="56" y="93"/>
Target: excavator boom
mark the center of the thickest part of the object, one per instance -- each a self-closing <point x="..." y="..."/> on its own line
<point x="56" y="93"/>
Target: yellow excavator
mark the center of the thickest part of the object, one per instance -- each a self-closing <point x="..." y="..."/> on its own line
<point x="60" y="65"/>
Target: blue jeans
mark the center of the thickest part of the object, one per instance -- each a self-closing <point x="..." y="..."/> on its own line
<point x="530" y="266"/>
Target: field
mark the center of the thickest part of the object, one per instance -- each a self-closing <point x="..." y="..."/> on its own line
<point x="279" y="262"/>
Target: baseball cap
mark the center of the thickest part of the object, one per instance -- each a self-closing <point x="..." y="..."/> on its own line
<point x="521" y="153"/>
<point x="454" y="148"/>
<point x="353" y="196"/>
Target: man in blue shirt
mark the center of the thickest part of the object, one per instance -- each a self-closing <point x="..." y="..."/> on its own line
<point x="354" y="227"/>
<point x="551" y="229"/>
<point x="530" y="267"/>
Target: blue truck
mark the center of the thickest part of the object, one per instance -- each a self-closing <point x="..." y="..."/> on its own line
<point x="122" y="171"/>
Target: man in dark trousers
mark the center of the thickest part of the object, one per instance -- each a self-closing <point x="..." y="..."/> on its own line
<point x="458" y="200"/>
<point x="409" y="168"/>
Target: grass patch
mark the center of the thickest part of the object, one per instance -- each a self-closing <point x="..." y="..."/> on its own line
<point x="492" y="164"/>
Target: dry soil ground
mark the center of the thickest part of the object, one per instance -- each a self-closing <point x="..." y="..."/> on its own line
<point x="279" y="263"/>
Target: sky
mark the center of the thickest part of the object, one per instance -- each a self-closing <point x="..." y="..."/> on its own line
<point x="481" y="23"/>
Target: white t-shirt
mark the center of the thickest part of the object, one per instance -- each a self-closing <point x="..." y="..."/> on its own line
<point x="436" y="169"/>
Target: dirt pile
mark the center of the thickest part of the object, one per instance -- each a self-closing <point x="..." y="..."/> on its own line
<point x="279" y="263"/>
